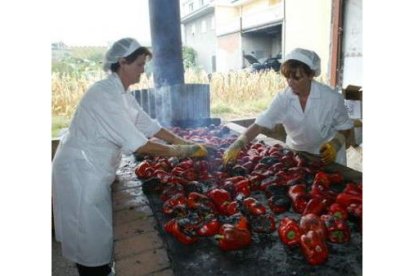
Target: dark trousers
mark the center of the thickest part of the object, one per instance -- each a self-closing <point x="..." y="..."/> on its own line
<point x="102" y="270"/>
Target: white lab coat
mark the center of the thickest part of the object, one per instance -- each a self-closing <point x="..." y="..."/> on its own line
<point x="325" y="113"/>
<point x="107" y="122"/>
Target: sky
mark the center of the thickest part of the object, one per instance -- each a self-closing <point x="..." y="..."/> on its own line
<point x="98" y="23"/>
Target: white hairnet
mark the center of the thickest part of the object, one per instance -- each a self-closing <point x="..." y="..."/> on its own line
<point x="308" y="57"/>
<point x="121" y="48"/>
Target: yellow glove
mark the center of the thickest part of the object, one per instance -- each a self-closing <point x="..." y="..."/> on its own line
<point x="230" y="155"/>
<point x="195" y="150"/>
<point x="181" y="141"/>
<point x="328" y="150"/>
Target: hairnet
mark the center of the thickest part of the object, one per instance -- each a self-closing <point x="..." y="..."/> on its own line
<point x="308" y="57"/>
<point x="121" y="48"/>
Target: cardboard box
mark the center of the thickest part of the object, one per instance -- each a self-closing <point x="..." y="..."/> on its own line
<point x="353" y="101"/>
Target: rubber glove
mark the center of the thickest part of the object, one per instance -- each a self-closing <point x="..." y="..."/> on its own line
<point x="194" y="150"/>
<point x="181" y="141"/>
<point x="230" y="155"/>
<point x="328" y="150"/>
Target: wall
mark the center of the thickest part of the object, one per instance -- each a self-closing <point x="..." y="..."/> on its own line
<point x="308" y="25"/>
<point x="229" y="52"/>
<point x="203" y="41"/>
<point x="352" y="43"/>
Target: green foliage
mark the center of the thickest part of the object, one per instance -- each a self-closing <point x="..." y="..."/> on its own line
<point x="58" y="123"/>
<point x="189" y="57"/>
<point x="76" y="61"/>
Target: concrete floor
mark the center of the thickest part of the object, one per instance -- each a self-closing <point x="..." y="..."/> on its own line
<point x="61" y="266"/>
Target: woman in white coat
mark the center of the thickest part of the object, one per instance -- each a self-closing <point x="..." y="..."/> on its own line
<point x="108" y="122"/>
<point x="314" y="116"/>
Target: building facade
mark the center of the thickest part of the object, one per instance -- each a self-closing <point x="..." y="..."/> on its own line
<point x="223" y="31"/>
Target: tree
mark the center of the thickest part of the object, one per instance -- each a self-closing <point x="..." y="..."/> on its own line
<point x="189" y="57"/>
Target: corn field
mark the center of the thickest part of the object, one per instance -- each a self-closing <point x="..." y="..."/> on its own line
<point x="234" y="90"/>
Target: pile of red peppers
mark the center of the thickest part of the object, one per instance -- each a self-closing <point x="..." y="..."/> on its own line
<point x="203" y="199"/>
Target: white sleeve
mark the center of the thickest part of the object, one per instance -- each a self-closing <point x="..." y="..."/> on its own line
<point x="144" y="122"/>
<point x="341" y="118"/>
<point x="274" y="114"/>
<point x="113" y="120"/>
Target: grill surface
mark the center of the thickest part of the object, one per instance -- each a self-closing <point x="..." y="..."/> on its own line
<point x="265" y="256"/>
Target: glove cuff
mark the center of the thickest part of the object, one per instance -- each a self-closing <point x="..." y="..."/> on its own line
<point x="338" y="141"/>
<point x="176" y="150"/>
<point x="241" y="141"/>
<point x="180" y="141"/>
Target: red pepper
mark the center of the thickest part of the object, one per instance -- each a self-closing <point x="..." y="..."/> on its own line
<point x="355" y="189"/>
<point x="162" y="176"/>
<point x="255" y="182"/>
<point x="253" y="206"/>
<point x="297" y="194"/>
<point x="313" y="222"/>
<point x="210" y="228"/>
<point x="279" y="204"/>
<point x="338" y="230"/>
<point x="189" y="174"/>
<point x="219" y="196"/>
<point x="174" y="229"/>
<point x="144" y="170"/>
<point x="186" y="164"/>
<point x="289" y="231"/>
<point x="263" y="223"/>
<point x="243" y="187"/>
<point x="314" y="248"/>
<point x="322" y="178"/>
<point x="195" y="200"/>
<point x="320" y="191"/>
<point x="229" y="208"/>
<point x="338" y="211"/>
<point x="346" y="199"/>
<point x="233" y="238"/>
<point x="315" y="206"/>
<point x="336" y="177"/>
<point x="162" y="164"/>
<point x="234" y="179"/>
<point x="169" y="204"/>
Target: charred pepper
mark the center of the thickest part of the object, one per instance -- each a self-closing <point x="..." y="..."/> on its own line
<point x="289" y="231"/>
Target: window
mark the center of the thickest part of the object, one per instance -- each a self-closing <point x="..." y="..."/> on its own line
<point x="193" y="29"/>
<point x="190" y="7"/>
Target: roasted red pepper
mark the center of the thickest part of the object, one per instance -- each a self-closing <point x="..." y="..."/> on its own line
<point x="338" y="211"/>
<point x="320" y="191"/>
<point x="243" y="187"/>
<point x="209" y="228"/>
<point x="253" y="207"/>
<point x="174" y="229"/>
<point x="297" y="194"/>
<point x="232" y="238"/>
<point x="279" y="204"/>
<point x="338" y="230"/>
<point x="315" y="206"/>
<point x="196" y="199"/>
<point x="219" y="196"/>
<point x="314" y="248"/>
<point x="169" y="204"/>
<point x="229" y="208"/>
<point x="313" y="222"/>
<point x="144" y="170"/>
<point x="346" y="199"/>
<point x="289" y="231"/>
